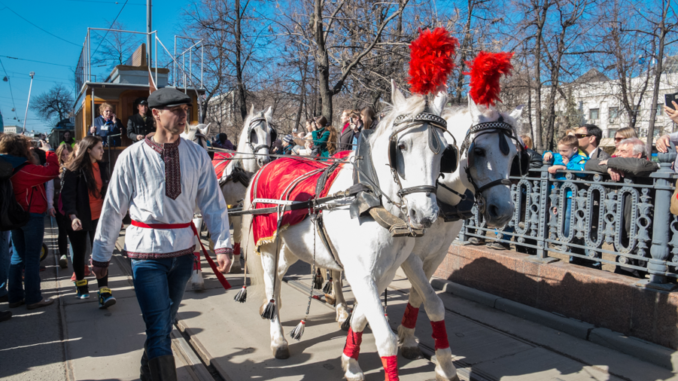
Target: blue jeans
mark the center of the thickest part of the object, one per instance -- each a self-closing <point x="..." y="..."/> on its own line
<point x="27" y="243"/>
<point x="159" y="285"/>
<point x="4" y="262"/>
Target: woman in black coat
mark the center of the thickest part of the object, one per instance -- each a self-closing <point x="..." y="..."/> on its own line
<point x="82" y="193"/>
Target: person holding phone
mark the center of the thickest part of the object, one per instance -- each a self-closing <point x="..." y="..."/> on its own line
<point x="107" y="124"/>
<point x="664" y="142"/>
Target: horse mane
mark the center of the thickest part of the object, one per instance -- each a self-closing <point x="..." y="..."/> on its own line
<point x="412" y="105"/>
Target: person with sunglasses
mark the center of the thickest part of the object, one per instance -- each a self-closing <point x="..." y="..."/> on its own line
<point x="589" y="136"/>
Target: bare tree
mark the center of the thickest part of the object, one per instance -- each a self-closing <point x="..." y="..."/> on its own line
<point x="114" y="48"/>
<point x="55" y="104"/>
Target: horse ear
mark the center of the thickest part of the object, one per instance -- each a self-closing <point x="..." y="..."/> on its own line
<point x="397" y="97"/>
<point x="204" y="130"/>
<point x="439" y="102"/>
<point x="252" y="109"/>
<point x="269" y="113"/>
<point x="473" y="110"/>
<point x="515" y="114"/>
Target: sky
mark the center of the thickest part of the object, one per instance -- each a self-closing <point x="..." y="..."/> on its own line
<point x="68" y="20"/>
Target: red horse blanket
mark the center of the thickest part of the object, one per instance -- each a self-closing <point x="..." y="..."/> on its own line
<point x="278" y="180"/>
<point x="220" y="162"/>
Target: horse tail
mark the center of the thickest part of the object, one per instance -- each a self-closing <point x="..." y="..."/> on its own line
<point x="252" y="259"/>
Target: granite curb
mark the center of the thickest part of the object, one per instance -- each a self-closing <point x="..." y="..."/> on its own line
<point x="641" y="349"/>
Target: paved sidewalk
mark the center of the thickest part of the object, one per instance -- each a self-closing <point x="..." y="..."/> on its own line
<point x="74" y="340"/>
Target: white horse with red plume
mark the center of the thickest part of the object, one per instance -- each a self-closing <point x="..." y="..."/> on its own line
<point x="487" y="154"/>
<point x="397" y="166"/>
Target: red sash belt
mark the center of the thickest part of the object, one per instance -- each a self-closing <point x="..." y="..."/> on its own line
<point x="218" y="273"/>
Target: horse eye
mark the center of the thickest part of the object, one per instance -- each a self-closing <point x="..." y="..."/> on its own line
<point x="402" y="147"/>
<point x="479" y="152"/>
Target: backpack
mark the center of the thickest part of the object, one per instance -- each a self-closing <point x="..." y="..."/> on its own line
<point x="12" y="215"/>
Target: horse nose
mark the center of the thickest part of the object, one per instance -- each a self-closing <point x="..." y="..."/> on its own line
<point x="499" y="214"/>
<point x="425" y="222"/>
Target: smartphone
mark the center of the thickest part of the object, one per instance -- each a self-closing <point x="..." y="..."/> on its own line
<point x="669" y="99"/>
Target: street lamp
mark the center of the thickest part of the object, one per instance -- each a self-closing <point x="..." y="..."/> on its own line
<point x="32" y="74"/>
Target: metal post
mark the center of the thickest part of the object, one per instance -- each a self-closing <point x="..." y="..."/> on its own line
<point x="89" y="57"/>
<point x="544" y="212"/>
<point x="155" y="40"/>
<point x="93" y="112"/>
<point x="149" y="28"/>
<point x="202" y="62"/>
<point x="174" y="63"/>
<point x="659" y="250"/>
<point x="28" y="103"/>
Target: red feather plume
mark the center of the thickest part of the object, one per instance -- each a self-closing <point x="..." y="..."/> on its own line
<point x="486" y="70"/>
<point x="431" y="60"/>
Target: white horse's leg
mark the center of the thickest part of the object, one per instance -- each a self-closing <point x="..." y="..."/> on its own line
<point x="368" y="298"/>
<point x="279" y="345"/>
<point x="197" y="281"/>
<point x="340" y="302"/>
<point x="435" y="309"/>
<point x="409" y="347"/>
<point x="235" y="268"/>
<point x="349" y="357"/>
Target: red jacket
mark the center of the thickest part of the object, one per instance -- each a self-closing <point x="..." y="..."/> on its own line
<point x="33" y="177"/>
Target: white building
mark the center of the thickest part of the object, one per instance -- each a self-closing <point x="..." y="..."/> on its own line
<point x="597" y="100"/>
<point x="12" y="129"/>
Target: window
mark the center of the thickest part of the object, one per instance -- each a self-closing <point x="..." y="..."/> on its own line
<point x="593" y="114"/>
<point x="660" y="109"/>
<point x="611" y="133"/>
<point x="614" y="113"/>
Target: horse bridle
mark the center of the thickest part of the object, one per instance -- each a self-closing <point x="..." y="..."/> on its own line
<point x="434" y="123"/>
<point x="504" y="130"/>
<point x="250" y="128"/>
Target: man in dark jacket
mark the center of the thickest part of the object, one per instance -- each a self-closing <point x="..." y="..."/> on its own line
<point x="349" y="139"/>
<point x="589" y="137"/>
<point x="140" y="124"/>
<point x="631" y="161"/>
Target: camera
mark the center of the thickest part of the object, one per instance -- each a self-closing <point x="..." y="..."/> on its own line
<point x="669" y="99"/>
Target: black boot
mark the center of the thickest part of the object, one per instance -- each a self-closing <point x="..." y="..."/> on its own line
<point x="145" y="371"/>
<point x="163" y="368"/>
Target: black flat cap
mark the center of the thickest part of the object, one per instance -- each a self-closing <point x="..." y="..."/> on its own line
<point x="168" y="97"/>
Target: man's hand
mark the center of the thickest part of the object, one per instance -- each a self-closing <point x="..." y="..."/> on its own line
<point x="604" y="162"/>
<point x="548" y="156"/>
<point x="614" y="174"/>
<point x="76" y="225"/>
<point x="139" y="137"/>
<point x="224" y="262"/>
<point x="52" y="212"/>
<point x="672" y="112"/>
<point x="663" y="143"/>
<point x="99" y="272"/>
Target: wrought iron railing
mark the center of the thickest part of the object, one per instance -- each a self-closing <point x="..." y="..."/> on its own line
<point x="629" y="219"/>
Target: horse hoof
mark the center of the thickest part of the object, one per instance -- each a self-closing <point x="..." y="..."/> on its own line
<point x="410" y="353"/>
<point x="446" y="372"/>
<point x="197" y="281"/>
<point x="281" y="353"/>
<point x="352" y="369"/>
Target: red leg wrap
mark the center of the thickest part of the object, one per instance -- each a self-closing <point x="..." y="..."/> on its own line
<point x="440" y="334"/>
<point x="196" y="261"/>
<point x="236" y="249"/>
<point x="390" y="367"/>
<point x="410" y="317"/>
<point x="353" y="340"/>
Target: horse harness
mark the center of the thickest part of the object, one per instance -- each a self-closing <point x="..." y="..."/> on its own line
<point x="255" y="122"/>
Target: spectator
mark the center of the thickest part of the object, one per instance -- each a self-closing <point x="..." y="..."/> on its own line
<point x="29" y="191"/>
<point x="141" y="123"/>
<point x="621" y="134"/>
<point x="631" y="161"/>
<point x="320" y="135"/>
<point x="4" y="250"/>
<point x="68" y="139"/>
<point x="589" y="137"/>
<point x="570" y="158"/>
<point x="106" y="124"/>
<point x="344" y="119"/>
<point x="369" y="118"/>
<point x="570" y="131"/>
<point x="665" y="141"/>
<point x="83" y="191"/>
<point x="287" y="144"/>
<point x="349" y="139"/>
<point x="64" y="154"/>
<point x="222" y="142"/>
<point x="332" y="140"/>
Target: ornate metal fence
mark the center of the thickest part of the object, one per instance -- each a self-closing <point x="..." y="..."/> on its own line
<point x="629" y="219"/>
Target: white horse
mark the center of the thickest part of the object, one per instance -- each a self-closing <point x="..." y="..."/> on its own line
<point x="369" y="254"/>
<point x="197" y="133"/>
<point x="256" y="137"/>
<point x="489" y="164"/>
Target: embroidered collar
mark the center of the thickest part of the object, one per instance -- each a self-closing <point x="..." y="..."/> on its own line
<point x="157" y="147"/>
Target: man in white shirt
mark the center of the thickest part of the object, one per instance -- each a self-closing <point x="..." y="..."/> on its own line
<point x="160" y="181"/>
